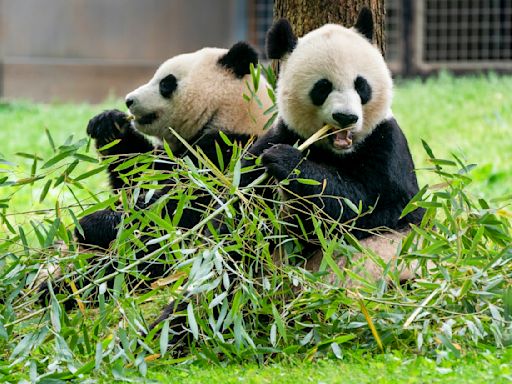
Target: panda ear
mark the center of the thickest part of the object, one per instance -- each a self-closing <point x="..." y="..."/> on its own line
<point x="280" y="39"/>
<point x="364" y="23"/>
<point x="238" y="59"/>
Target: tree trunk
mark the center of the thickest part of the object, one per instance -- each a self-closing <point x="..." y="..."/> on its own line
<point x="306" y="15"/>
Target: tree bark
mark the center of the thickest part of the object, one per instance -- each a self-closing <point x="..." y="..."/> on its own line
<point x="306" y="15"/>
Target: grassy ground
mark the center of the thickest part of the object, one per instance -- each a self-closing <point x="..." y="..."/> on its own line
<point x="469" y="116"/>
<point x="24" y="131"/>
<point x="382" y="369"/>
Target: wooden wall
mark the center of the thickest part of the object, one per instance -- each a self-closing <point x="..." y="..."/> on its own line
<point x="86" y="50"/>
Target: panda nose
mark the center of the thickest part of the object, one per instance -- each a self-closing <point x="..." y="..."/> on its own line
<point x="344" y="120"/>
<point x="129" y="102"/>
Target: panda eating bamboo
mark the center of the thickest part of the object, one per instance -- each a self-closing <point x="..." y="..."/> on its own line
<point x="201" y="96"/>
<point x="336" y="76"/>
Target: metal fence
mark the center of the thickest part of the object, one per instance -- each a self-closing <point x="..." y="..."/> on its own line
<point x="464" y="34"/>
<point x="260" y="14"/>
<point x="394" y="35"/>
<point x="427" y="35"/>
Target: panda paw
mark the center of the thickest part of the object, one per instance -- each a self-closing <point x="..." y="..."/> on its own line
<point x="280" y="160"/>
<point x="108" y="126"/>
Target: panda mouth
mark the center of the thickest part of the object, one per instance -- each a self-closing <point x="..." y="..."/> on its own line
<point x="147" y="119"/>
<point x="341" y="139"/>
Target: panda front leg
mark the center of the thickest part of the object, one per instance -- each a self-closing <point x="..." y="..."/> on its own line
<point x="282" y="161"/>
<point x="112" y="125"/>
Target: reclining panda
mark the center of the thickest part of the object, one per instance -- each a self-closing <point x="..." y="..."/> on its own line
<point x="199" y="95"/>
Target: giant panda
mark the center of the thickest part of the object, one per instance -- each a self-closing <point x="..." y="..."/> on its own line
<point x="199" y="95"/>
<point x="336" y="76"/>
<point x="333" y="75"/>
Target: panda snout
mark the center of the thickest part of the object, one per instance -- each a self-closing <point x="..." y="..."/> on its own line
<point x="344" y="120"/>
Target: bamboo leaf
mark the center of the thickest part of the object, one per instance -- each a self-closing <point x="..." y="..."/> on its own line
<point x="45" y="189"/>
<point x="279" y="322"/>
<point x="90" y="173"/>
<point x="50" y="139"/>
<point x="164" y="338"/>
<point x="55" y="159"/>
<point x="192" y="321"/>
<point x="109" y="145"/>
<point x="370" y="324"/>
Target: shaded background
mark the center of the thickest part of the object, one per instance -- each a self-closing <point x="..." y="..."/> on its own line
<point x="87" y="50"/>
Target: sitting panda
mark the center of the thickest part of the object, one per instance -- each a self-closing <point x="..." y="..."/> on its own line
<point x="199" y="95"/>
<point x="334" y="75"/>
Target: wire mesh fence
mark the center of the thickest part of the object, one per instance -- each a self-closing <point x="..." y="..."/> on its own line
<point x="464" y="34"/>
<point x="444" y="34"/>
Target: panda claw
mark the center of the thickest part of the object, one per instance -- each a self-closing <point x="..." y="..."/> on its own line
<point x="107" y="126"/>
<point x="280" y="160"/>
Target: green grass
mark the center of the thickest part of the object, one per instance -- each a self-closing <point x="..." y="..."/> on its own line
<point x="24" y="131"/>
<point x="382" y="369"/>
<point x="469" y="116"/>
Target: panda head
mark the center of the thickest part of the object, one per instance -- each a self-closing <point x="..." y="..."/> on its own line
<point x="333" y="75"/>
<point x="203" y="89"/>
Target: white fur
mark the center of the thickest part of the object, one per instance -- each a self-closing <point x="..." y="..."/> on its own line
<point x="385" y="246"/>
<point x="206" y="92"/>
<point x="340" y="55"/>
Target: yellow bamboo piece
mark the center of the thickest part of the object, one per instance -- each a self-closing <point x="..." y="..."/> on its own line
<point x="79" y="301"/>
<point x="318" y="135"/>
<point x="370" y="324"/>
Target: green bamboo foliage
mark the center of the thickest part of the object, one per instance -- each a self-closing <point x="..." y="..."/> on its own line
<point x="462" y="299"/>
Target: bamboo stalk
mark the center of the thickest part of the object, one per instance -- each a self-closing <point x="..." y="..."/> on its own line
<point x="318" y="135"/>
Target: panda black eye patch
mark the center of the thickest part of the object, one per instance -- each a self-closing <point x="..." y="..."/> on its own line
<point x="168" y="85"/>
<point x="320" y="91"/>
<point x="363" y="89"/>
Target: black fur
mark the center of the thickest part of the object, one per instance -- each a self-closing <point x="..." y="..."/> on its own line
<point x="363" y="89"/>
<point x="238" y="59"/>
<point x="320" y="91"/>
<point x="364" y="23"/>
<point x="280" y="39"/>
<point x="379" y="173"/>
<point x="99" y="229"/>
<point x="112" y="125"/>
<point x="101" y="226"/>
